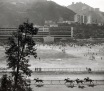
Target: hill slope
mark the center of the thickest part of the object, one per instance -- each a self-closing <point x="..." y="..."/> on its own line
<point x="13" y="13"/>
<point x="84" y="9"/>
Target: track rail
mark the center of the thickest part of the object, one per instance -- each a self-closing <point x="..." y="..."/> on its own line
<point x="5" y="70"/>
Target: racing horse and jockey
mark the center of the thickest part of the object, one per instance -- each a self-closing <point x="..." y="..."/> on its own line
<point x="37" y="80"/>
<point x="69" y="81"/>
<point x="78" y="81"/>
<point x="87" y="79"/>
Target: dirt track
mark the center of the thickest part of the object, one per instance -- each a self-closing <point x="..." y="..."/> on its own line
<point x="64" y="88"/>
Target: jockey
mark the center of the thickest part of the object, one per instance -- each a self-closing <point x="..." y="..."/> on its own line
<point x="87" y="78"/>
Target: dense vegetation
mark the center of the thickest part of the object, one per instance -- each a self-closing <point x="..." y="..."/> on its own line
<point x="88" y="31"/>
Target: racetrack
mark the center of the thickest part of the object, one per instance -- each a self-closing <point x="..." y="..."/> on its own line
<point x="65" y="88"/>
<point x="72" y="58"/>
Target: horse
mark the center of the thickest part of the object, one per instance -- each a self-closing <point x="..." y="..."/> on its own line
<point x="78" y="81"/>
<point x="38" y="80"/>
<point x="89" y="70"/>
<point x="68" y="81"/>
<point x="88" y="80"/>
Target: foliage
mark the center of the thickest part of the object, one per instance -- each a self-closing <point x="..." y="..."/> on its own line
<point x="6" y="83"/>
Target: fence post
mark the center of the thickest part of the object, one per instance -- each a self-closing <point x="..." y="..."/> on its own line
<point x="51" y="82"/>
<point x="59" y="82"/>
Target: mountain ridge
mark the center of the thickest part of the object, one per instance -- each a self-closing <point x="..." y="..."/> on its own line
<point x="14" y="14"/>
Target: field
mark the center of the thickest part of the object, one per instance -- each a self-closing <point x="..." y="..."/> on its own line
<point x="53" y="57"/>
<point x="73" y="57"/>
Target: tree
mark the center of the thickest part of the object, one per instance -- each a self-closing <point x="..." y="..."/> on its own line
<point x="20" y="47"/>
<point x="6" y="83"/>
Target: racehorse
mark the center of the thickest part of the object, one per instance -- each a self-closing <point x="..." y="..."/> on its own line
<point x="68" y="81"/>
<point x="88" y="80"/>
<point x="38" y="80"/>
<point x="89" y="70"/>
<point x="78" y="81"/>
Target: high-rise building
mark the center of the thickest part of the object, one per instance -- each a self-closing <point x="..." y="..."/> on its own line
<point x="85" y="19"/>
<point x="80" y="19"/>
<point x="89" y="19"/>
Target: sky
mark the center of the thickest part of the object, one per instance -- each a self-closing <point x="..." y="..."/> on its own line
<point x="93" y="3"/>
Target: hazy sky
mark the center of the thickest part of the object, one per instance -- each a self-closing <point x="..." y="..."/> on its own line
<point x="93" y="3"/>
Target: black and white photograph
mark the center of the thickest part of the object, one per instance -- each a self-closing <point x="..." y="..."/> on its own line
<point x="51" y="45"/>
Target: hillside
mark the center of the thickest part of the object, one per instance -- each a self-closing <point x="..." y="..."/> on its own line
<point x="13" y="12"/>
<point x="79" y="7"/>
<point x="84" y="9"/>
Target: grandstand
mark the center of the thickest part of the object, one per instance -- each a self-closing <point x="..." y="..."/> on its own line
<point x="7" y="32"/>
<point x="60" y="32"/>
<point x="56" y="32"/>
